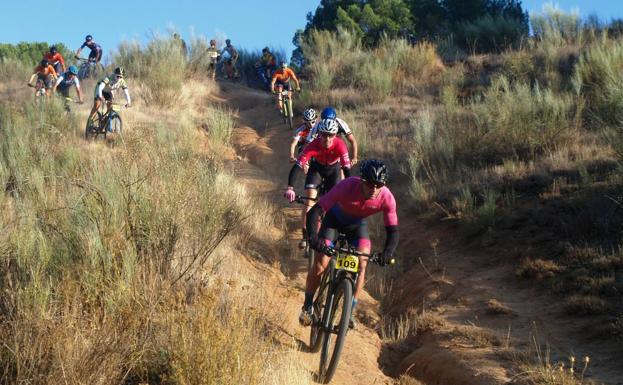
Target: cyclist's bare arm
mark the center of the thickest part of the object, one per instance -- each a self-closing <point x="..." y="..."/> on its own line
<point x="292" y="149"/>
<point x="353" y="142"/>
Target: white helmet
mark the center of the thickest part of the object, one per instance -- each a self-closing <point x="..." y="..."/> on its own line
<point x="328" y="126"/>
<point x="309" y="114"/>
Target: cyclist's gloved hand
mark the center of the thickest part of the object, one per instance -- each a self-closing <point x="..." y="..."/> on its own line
<point x="289" y="194"/>
<point x="385" y="258"/>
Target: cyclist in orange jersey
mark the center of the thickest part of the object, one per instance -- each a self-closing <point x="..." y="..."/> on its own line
<point x="281" y="78"/>
<point x="46" y="73"/>
<point x="56" y="59"/>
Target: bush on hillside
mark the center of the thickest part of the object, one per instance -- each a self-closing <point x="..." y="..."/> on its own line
<point x="160" y="66"/>
<point x="599" y="80"/>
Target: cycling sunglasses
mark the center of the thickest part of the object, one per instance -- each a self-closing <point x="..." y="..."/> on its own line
<point x="327" y="135"/>
<point x="373" y="184"/>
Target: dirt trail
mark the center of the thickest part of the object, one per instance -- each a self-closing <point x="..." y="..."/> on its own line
<point x="468" y="343"/>
<point x="262" y="140"/>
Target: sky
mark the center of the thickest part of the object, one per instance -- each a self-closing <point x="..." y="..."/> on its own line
<point x="250" y="24"/>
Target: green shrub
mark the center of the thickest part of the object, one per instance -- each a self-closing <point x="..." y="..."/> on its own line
<point x="160" y="66"/>
<point x="599" y="80"/>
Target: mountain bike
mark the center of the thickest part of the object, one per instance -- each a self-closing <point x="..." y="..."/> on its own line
<point x="40" y="90"/>
<point x="87" y="68"/>
<point x="106" y="122"/>
<point x="286" y="106"/>
<point x="333" y="305"/>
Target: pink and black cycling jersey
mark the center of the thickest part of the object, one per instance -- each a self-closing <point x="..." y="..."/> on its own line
<point x="325" y="156"/>
<point x="347" y="203"/>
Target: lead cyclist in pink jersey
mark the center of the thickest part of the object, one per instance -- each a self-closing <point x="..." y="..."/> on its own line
<point x="346" y="206"/>
<point x="326" y="154"/>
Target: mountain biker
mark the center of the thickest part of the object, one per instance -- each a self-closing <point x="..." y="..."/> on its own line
<point x="267" y="63"/>
<point x="344" y="129"/>
<point x="281" y="79"/>
<point x="213" y="56"/>
<point x="56" y="59"/>
<point x="96" y="49"/>
<point x="346" y="206"/>
<point x="68" y="79"/>
<point x="44" y="72"/>
<point x="230" y="63"/>
<point x="104" y="90"/>
<point x="328" y="155"/>
<point x="301" y="132"/>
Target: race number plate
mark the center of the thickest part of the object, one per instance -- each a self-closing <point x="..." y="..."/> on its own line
<point x="348" y="263"/>
<point x="116" y="107"/>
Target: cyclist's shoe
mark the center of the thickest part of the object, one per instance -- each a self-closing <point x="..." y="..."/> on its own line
<point x="305" y="318"/>
<point x="352" y="322"/>
<point x="302" y="243"/>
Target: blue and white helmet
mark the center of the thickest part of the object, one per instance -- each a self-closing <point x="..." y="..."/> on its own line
<point x="328" y="126"/>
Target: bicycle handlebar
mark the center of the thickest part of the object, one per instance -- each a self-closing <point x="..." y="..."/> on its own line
<point x="372" y="257"/>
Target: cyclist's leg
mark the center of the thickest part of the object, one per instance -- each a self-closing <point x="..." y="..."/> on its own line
<point x="279" y="88"/>
<point x="328" y="233"/>
<point x="359" y="237"/>
<point x="312" y="180"/>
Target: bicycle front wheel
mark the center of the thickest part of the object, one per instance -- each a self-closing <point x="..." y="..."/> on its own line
<point x="115" y="124"/>
<point x="316" y="330"/>
<point x="336" y="327"/>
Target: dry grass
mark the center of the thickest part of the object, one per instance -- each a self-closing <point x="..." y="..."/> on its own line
<point x="111" y="257"/>
<point x="495" y="307"/>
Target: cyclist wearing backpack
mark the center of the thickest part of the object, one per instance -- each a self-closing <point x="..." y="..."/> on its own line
<point x="345" y="207"/>
<point x="344" y="130"/>
<point x="326" y="156"/>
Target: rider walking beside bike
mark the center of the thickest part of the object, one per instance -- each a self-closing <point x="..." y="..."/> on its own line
<point x="230" y="63"/>
<point x="345" y="207"/>
<point x="344" y="129"/>
<point x="281" y="79"/>
<point x="56" y="59"/>
<point x="96" y="50"/>
<point x="44" y="72"/>
<point x="328" y="154"/>
<point x="66" y="80"/>
<point x="104" y="91"/>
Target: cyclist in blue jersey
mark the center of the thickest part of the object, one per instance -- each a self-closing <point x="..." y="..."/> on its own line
<point x="96" y="49"/>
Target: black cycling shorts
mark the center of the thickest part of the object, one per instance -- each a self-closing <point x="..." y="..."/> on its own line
<point x="318" y="173"/>
<point x="357" y="233"/>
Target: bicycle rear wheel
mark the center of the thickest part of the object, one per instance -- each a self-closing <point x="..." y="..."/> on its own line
<point x="336" y="323"/>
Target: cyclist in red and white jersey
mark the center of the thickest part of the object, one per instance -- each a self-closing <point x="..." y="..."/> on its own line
<point x="301" y="132"/>
<point x="343" y="129"/>
<point x="346" y="206"/>
<point x="326" y="155"/>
